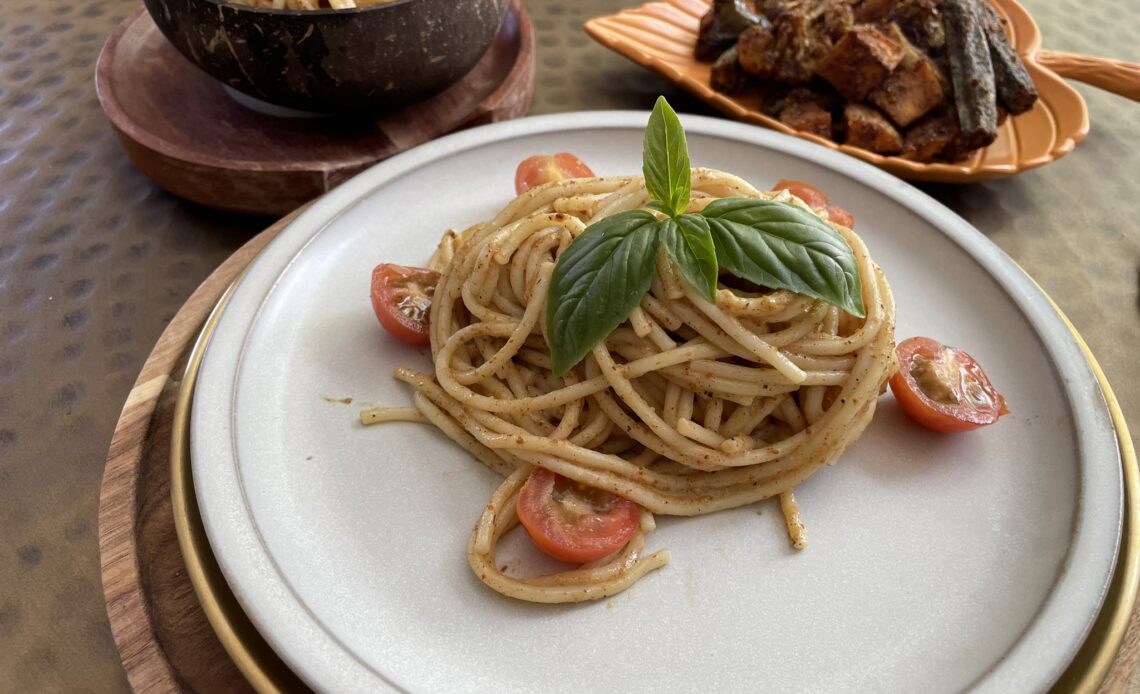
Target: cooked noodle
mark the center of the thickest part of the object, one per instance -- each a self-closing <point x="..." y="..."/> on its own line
<point x="687" y="408"/>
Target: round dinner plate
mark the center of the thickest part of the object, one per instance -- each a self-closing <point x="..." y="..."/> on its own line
<point x="936" y="562"/>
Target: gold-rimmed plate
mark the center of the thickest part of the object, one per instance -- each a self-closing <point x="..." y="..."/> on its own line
<point x="343" y="544"/>
<point x="269" y="675"/>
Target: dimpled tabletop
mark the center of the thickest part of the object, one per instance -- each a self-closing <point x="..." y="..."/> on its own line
<point x="95" y="260"/>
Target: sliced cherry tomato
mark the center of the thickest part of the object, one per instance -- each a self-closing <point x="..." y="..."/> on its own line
<point x="840" y="216"/>
<point x="573" y="522"/>
<point x="401" y="298"/>
<point x="816" y="199"/>
<point x="943" y="388"/>
<point x="813" y="196"/>
<point x="544" y="168"/>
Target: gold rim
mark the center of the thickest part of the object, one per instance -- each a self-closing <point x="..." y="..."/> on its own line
<point x="260" y="666"/>
<point x="1094" y="660"/>
<point x="268" y="674"/>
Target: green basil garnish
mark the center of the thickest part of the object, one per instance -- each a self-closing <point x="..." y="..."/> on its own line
<point x="665" y="161"/>
<point x="689" y="243"/>
<point x="782" y="246"/>
<point x="600" y="279"/>
<point x="597" y="283"/>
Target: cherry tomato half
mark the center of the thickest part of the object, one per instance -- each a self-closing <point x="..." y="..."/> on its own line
<point x="401" y="298"/>
<point x="816" y="199"/>
<point x="544" y="168"/>
<point x="573" y="522"/>
<point x="943" y="388"/>
<point x="813" y="196"/>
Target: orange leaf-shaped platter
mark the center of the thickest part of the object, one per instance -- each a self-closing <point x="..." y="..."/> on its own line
<point x="662" y="35"/>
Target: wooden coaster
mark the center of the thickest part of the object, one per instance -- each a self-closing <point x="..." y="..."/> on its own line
<point x="181" y="128"/>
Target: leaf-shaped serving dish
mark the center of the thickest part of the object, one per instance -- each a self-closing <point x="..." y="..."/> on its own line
<point x="662" y="35"/>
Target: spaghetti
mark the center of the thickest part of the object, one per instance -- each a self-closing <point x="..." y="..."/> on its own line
<point x="687" y="408"/>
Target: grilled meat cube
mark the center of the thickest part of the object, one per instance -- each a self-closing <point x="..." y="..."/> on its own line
<point x="909" y="93"/>
<point x="871" y="11"/>
<point x="1015" y="89"/>
<point x="860" y="61"/>
<point x="726" y="76"/>
<point x="971" y="72"/>
<point x="930" y="137"/>
<point x="869" y="129"/>
<point x="721" y="26"/>
<point x="805" y="111"/>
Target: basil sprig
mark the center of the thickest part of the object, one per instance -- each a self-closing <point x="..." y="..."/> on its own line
<point x="600" y="279"/>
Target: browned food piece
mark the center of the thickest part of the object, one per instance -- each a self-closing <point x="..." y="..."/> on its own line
<point x="755" y="52"/>
<point x="869" y="129"/>
<point x="909" y="93"/>
<point x="726" y="76"/>
<point x="836" y="19"/>
<point x="911" y="55"/>
<point x="803" y="110"/>
<point x="860" y="61"/>
<point x="921" y="21"/>
<point x="971" y="73"/>
<point x="871" y="11"/>
<point x="930" y="137"/>
<point x="721" y="26"/>
<point x="793" y="44"/>
<point x="1015" y="89"/>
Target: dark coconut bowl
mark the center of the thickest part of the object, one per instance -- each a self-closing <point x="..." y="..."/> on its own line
<point x="376" y="58"/>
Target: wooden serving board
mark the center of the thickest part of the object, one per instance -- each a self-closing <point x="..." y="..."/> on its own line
<point x="164" y="639"/>
<point x="162" y="633"/>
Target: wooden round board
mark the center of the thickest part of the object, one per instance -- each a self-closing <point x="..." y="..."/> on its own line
<point x="180" y="128"/>
<point x="162" y="631"/>
<point x="164" y="638"/>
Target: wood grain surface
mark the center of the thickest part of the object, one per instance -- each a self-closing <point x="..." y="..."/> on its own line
<point x="165" y="642"/>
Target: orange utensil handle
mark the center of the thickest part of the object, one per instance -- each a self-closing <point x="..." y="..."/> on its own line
<point x="1116" y="76"/>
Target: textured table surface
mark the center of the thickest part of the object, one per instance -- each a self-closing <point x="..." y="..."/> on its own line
<point x="95" y="260"/>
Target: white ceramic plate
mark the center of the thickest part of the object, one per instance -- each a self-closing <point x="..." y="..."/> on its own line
<point x="936" y="563"/>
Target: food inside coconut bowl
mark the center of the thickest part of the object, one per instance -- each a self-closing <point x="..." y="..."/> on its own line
<point x="331" y="56"/>
<point x="927" y="80"/>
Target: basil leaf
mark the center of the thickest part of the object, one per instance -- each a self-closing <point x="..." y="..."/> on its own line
<point x="782" y="246"/>
<point x="597" y="283"/>
<point x="689" y="243"/>
<point x="665" y="157"/>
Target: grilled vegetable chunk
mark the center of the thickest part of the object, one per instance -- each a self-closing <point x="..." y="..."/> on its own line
<point x="930" y="137"/>
<point x="860" y="61"/>
<point x="722" y="25"/>
<point x="972" y="73"/>
<point x="1015" y="90"/>
<point x="803" y="110"/>
<point x="727" y="77"/>
<point x="909" y="93"/>
<point x="869" y="129"/>
<point x="870" y="11"/>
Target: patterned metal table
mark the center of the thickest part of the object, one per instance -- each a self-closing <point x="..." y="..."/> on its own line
<point x="94" y="261"/>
